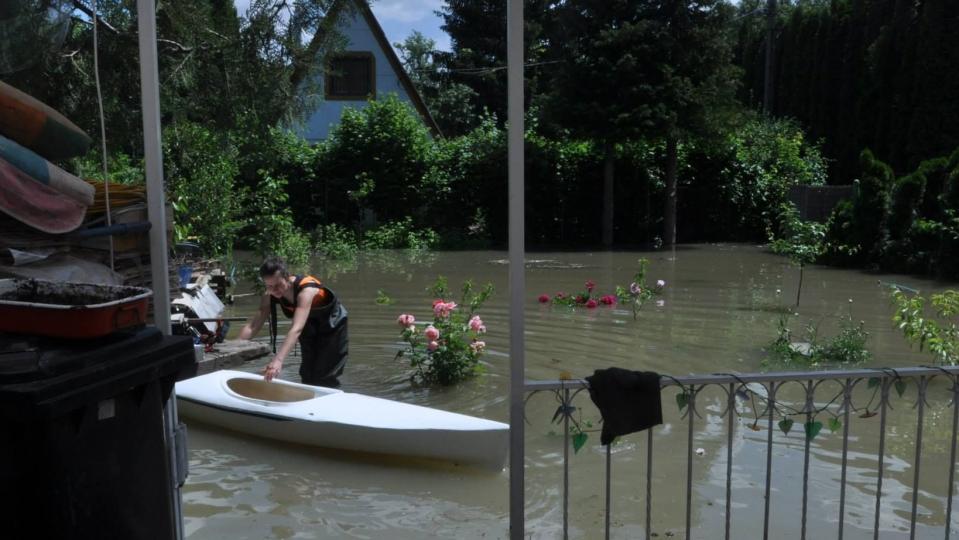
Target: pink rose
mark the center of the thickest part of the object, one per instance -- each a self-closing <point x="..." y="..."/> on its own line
<point x="543" y="298"/>
<point x="608" y="300"/>
<point x="406" y="320"/>
<point x="591" y="303"/>
<point x="634" y="288"/>
<point x="432" y="346"/>
<point x="580" y="299"/>
<point x="590" y="285"/>
<point x="476" y="323"/>
<point x="431" y="333"/>
<point x="478" y="346"/>
<point x="443" y="309"/>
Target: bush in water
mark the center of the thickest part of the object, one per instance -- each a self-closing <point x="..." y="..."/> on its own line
<point x="447" y="350"/>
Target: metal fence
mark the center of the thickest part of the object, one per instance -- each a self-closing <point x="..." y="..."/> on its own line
<point x="829" y="399"/>
<point x="816" y="203"/>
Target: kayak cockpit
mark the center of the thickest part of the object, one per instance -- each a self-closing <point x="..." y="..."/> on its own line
<point x="261" y="390"/>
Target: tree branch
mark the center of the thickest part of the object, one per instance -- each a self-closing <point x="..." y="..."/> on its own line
<point x="89" y="13"/>
<point x="303" y="62"/>
<point x="183" y="48"/>
<point x="217" y="34"/>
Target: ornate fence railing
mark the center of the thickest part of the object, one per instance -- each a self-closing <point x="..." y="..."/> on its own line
<point x="770" y="406"/>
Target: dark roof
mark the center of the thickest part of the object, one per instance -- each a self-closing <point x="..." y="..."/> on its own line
<point x="364" y="8"/>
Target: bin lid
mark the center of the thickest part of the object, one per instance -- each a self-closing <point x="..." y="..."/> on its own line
<point x="47" y="377"/>
<point x="28" y="357"/>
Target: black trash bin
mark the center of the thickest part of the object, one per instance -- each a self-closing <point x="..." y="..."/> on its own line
<point x="82" y="442"/>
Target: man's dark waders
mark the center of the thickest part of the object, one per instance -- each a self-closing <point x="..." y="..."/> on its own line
<point x="324" y="342"/>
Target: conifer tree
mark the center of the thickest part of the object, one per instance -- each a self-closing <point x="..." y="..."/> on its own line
<point x="633" y="69"/>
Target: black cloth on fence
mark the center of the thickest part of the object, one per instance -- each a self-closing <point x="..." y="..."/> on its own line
<point x="628" y="400"/>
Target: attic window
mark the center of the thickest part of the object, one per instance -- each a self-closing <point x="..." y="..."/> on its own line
<point x="351" y="76"/>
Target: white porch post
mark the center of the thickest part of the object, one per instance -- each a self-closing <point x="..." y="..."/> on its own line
<point x="153" y="154"/>
<point x="156" y="213"/>
<point x="517" y="268"/>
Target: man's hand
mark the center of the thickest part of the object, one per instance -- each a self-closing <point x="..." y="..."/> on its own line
<point x="272" y="369"/>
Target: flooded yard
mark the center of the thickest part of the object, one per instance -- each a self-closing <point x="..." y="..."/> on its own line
<point x="720" y="307"/>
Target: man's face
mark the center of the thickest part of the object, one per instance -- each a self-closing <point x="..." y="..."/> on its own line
<point x="276" y="285"/>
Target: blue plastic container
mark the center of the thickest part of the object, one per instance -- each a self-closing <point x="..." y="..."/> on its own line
<point x="185" y="272"/>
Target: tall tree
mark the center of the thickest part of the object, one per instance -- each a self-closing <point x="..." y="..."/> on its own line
<point x="933" y="128"/>
<point x="214" y="67"/>
<point x="635" y="69"/>
<point x="477" y="30"/>
<point x="864" y="74"/>
<point x="452" y="104"/>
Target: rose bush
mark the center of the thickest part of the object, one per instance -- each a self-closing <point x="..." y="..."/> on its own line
<point x="448" y="349"/>
<point x="638" y="292"/>
<point x="635" y="295"/>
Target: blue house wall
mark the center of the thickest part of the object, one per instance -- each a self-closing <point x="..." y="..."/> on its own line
<point x="360" y="38"/>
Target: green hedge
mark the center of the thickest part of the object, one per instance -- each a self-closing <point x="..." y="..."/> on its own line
<point x="909" y="224"/>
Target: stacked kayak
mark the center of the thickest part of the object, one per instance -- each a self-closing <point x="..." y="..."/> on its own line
<point x="38" y="127"/>
<point x="332" y="418"/>
<point x="34" y="190"/>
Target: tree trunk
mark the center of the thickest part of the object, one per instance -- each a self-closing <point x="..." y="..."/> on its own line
<point x="609" y="165"/>
<point x="799" y="288"/>
<point x="768" y="84"/>
<point x="669" y="213"/>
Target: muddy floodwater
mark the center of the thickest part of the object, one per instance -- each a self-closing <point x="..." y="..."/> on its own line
<point x="719" y="309"/>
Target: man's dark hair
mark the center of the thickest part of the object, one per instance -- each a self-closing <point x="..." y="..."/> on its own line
<point x="272" y="266"/>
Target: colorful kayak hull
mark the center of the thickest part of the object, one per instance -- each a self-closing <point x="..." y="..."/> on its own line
<point x="45" y="172"/>
<point x="36" y="204"/>
<point x="38" y="127"/>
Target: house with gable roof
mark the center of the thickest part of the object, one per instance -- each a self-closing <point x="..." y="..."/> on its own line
<point x="366" y="68"/>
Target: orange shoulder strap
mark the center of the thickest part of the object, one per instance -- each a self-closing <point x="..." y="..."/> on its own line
<point x="310" y="281"/>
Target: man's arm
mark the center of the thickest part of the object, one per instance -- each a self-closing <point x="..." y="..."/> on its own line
<point x="304" y="302"/>
<point x="254" y="325"/>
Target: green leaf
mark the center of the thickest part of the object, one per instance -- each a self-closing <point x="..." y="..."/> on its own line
<point x="900" y="387"/>
<point x="873" y="382"/>
<point x="382" y="298"/>
<point x="682" y="400"/>
<point x="812" y="429"/>
<point x="579" y="440"/>
<point x="785" y="425"/>
<point x="834" y="424"/>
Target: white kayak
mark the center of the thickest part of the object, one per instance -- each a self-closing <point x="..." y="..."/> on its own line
<point x="332" y="418"/>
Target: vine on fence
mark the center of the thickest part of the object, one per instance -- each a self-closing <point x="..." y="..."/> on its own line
<point x="757" y="394"/>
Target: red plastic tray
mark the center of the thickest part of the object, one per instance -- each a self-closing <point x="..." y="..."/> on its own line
<point x="69" y="310"/>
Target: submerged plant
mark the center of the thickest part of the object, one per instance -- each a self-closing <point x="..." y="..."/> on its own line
<point x="846" y="347"/>
<point x="447" y="350"/>
<point x="802" y="241"/>
<point x="635" y="295"/>
<point x="638" y="292"/>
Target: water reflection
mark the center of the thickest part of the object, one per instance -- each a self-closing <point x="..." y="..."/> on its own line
<point x="720" y="309"/>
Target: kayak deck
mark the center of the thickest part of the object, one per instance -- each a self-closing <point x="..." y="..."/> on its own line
<point x="332" y="418"/>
